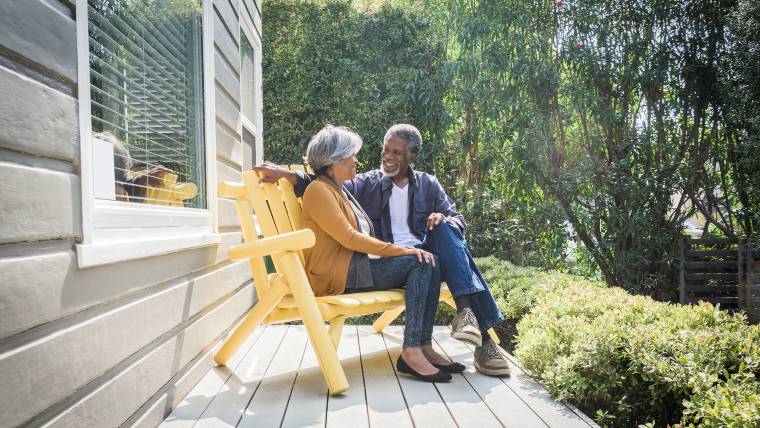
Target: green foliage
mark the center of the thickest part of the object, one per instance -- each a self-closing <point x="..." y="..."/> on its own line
<point x="607" y="123"/>
<point x="605" y="100"/>
<point x="329" y="63"/>
<point x="367" y="68"/>
<point x="509" y="214"/>
<point x="628" y="359"/>
<point x="742" y="90"/>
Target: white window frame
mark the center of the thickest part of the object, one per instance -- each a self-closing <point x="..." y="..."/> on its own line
<point x="253" y="125"/>
<point x="115" y="231"/>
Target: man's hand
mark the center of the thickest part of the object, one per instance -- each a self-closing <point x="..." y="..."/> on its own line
<point x="434" y="220"/>
<point x="270" y="173"/>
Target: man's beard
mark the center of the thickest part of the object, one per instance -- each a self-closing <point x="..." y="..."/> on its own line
<point x="389" y="174"/>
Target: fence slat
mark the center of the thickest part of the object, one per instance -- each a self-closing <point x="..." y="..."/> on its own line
<point x="713" y="300"/>
<point x="682" y="273"/>
<point x="717" y="264"/>
<point x="710" y="289"/>
<point x="753" y="309"/>
<point x="742" y="286"/>
<point x="711" y="275"/>
<point x="713" y="241"/>
<point x="711" y="253"/>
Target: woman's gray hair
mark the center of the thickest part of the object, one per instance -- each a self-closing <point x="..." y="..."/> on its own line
<point x="122" y="161"/>
<point x="408" y="133"/>
<point x="331" y="145"/>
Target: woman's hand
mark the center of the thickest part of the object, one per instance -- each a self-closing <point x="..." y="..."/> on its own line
<point x="422" y="255"/>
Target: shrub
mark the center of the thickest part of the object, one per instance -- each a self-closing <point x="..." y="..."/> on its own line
<point x="628" y="359"/>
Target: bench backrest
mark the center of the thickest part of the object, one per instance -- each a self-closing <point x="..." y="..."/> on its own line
<point x="264" y="210"/>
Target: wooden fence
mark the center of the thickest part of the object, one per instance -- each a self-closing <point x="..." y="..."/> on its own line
<point x="721" y="271"/>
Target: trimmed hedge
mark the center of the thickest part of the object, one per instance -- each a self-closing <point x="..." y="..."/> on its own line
<point x="629" y="360"/>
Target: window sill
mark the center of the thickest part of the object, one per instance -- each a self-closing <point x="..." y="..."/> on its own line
<point x="119" y="250"/>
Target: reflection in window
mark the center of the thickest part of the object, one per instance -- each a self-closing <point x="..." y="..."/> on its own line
<point x="147" y="97"/>
<point x="247" y="78"/>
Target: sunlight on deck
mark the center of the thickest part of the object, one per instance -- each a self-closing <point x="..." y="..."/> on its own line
<point x="274" y="381"/>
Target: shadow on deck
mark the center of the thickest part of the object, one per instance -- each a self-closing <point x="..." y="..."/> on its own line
<point x="274" y="381"/>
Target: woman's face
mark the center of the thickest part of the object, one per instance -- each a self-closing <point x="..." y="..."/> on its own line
<point x="344" y="170"/>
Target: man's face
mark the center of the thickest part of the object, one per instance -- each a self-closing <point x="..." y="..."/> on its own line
<point x="395" y="157"/>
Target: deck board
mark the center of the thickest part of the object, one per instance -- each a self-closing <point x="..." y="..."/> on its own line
<point x="350" y="408"/>
<point x="267" y="407"/>
<point x="385" y="400"/>
<point x="227" y="408"/>
<point x="212" y="386"/>
<point x="465" y="404"/>
<point x="423" y="399"/>
<point x="506" y="406"/>
<point x="308" y="402"/>
<point x="554" y="413"/>
<point x="274" y="380"/>
<point x="585" y="421"/>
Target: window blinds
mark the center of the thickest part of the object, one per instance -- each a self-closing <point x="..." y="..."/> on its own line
<point x="147" y="91"/>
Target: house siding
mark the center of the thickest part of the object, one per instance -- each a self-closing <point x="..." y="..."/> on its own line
<point x="36" y="118"/>
<point x="117" y="344"/>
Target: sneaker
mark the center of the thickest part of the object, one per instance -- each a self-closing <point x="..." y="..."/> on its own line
<point x="490" y="360"/>
<point x="465" y="327"/>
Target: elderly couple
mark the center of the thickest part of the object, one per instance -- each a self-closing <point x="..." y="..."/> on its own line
<point x="391" y="228"/>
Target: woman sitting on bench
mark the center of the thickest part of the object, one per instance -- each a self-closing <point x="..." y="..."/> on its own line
<point x="347" y="258"/>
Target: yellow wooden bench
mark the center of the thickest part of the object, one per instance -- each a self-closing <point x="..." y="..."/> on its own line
<point x="286" y="295"/>
<point x="170" y="192"/>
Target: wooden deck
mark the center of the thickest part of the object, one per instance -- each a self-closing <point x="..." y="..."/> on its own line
<point x="274" y="381"/>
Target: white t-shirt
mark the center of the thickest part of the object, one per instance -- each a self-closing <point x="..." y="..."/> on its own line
<point x="399" y="208"/>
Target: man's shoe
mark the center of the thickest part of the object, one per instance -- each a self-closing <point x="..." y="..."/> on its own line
<point x="465" y="327"/>
<point x="490" y="360"/>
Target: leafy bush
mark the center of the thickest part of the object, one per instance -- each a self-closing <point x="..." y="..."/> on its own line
<point x="627" y="359"/>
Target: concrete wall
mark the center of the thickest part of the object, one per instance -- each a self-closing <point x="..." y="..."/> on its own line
<point x="114" y="344"/>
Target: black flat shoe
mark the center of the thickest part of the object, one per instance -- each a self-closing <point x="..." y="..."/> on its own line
<point x="450" y="368"/>
<point x="403" y="367"/>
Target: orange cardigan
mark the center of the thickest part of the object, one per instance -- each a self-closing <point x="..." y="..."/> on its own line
<point x="326" y="211"/>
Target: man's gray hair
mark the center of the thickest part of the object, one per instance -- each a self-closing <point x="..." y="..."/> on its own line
<point x="408" y="133"/>
<point x="331" y="145"/>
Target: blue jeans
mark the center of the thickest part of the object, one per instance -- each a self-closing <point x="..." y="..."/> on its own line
<point x="422" y="285"/>
<point x="460" y="273"/>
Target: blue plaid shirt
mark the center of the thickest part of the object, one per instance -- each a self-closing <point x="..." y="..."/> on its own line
<point x="373" y="190"/>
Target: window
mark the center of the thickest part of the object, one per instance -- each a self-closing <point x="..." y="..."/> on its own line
<point x="250" y="87"/>
<point x="145" y="118"/>
<point x="147" y="99"/>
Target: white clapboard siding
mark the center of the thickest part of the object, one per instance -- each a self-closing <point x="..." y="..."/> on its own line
<point x="41" y="373"/>
<point x="35" y="118"/>
<point x="116" y="399"/>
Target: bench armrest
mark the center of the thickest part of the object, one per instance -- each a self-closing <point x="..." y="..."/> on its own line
<point x="229" y="189"/>
<point x="291" y="241"/>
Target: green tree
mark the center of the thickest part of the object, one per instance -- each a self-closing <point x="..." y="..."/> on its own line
<point x="327" y="62"/>
<point x="742" y="89"/>
<point x="619" y="112"/>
